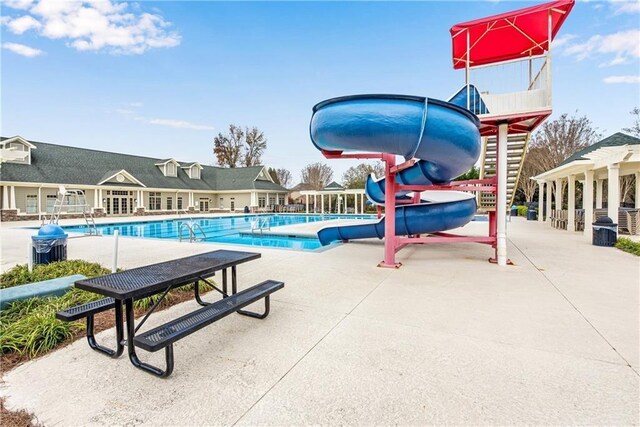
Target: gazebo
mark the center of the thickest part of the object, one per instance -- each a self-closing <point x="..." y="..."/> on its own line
<point x="340" y="193"/>
<point x="612" y="158"/>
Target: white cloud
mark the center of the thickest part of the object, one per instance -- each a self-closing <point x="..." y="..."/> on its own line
<point x="562" y="40"/>
<point x="18" y="4"/>
<point x="96" y="25"/>
<point x="623" y="45"/>
<point x="179" y="124"/>
<point x="622" y="79"/>
<point x="623" y="6"/>
<point x="23" y="50"/>
<point x="22" y="24"/>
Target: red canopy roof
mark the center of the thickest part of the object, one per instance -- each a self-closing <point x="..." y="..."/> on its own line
<point x="509" y="35"/>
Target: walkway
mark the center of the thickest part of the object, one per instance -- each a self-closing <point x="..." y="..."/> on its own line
<point x="448" y="338"/>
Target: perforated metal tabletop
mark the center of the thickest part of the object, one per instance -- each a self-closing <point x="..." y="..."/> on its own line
<point x="151" y="279"/>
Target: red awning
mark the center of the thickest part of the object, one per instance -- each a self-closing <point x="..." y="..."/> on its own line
<point x="510" y="35"/>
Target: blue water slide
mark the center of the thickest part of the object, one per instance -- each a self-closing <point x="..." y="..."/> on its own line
<point x="443" y="135"/>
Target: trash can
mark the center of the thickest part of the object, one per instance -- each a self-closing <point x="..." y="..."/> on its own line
<point x="532" y="215"/>
<point x="605" y="232"/>
<point x="514" y="210"/>
<point x="246" y="209"/>
<point x="49" y="245"/>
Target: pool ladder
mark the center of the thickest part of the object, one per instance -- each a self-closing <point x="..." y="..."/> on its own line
<point x="261" y="224"/>
<point x="193" y="228"/>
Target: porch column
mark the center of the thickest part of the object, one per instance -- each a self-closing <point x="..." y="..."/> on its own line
<point x="306" y="200"/>
<point x="587" y="202"/>
<point x="559" y="195"/>
<point x="599" y="184"/>
<point x="571" y="217"/>
<point x="540" y="201"/>
<point x="549" y="201"/>
<point x="613" y="191"/>
<point x="637" y="190"/>
<point x="329" y="203"/>
<point x="12" y="197"/>
<point x="5" y="197"/>
<point x="315" y="203"/>
<point x="95" y="198"/>
<point x="277" y="199"/>
<point x="361" y="202"/>
<point x="286" y="199"/>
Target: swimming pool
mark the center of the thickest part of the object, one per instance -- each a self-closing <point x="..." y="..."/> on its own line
<point x="235" y="230"/>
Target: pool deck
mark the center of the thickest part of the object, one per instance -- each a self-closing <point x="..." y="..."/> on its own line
<point x="447" y="339"/>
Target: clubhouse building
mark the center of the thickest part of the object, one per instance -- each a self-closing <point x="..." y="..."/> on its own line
<point x="33" y="173"/>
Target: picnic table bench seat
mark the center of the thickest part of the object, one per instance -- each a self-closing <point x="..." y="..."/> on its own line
<point x="162" y="336"/>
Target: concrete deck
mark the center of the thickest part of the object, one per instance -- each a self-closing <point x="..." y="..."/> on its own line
<point x="448" y="338"/>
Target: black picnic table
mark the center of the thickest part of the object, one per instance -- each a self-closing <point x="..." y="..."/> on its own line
<point x="127" y="286"/>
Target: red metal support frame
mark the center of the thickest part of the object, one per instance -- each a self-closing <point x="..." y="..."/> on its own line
<point x="390" y="238"/>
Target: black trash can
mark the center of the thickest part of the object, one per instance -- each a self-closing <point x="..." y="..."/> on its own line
<point x="532" y="215"/>
<point x="49" y="245"/>
<point x="246" y="209"/>
<point x="514" y="211"/>
<point x="605" y="232"/>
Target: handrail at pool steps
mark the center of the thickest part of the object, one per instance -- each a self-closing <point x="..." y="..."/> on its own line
<point x="192" y="226"/>
<point x="261" y="224"/>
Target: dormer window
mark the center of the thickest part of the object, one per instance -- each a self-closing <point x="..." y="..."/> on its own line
<point x="16" y="150"/>
<point x="193" y="170"/>
<point x="168" y="167"/>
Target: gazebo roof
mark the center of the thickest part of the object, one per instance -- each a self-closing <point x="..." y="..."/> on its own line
<point x="616" y="140"/>
<point x="333" y="186"/>
<point x="618" y="148"/>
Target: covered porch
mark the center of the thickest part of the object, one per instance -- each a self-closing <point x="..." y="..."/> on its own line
<point x="337" y="200"/>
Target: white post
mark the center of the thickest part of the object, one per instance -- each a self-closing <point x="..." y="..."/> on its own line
<point x="306" y="199"/>
<point x="613" y="191"/>
<point x="587" y="202"/>
<point x="362" y="203"/>
<point x="114" y="266"/>
<point x="322" y="203"/>
<point x="599" y="185"/>
<point x="540" y="201"/>
<point x="571" y="217"/>
<point x="95" y="198"/>
<point x="12" y="202"/>
<point x="559" y="195"/>
<point x="30" y="258"/>
<point x="286" y="199"/>
<point x="329" y="203"/>
<point x="39" y="203"/>
<point x="100" y="204"/>
<point x="5" y="197"/>
<point x="637" y="190"/>
<point x="549" y="201"/>
<point x="501" y="202"/>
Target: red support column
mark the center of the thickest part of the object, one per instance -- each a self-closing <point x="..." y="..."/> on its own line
<point x="390" y="239"/>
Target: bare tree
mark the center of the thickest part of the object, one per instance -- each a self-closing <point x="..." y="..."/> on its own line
<point x="356" y="176"/>
<point x="530" y="169"/>
<point x="283" y="176"/>
<point x="255" y="145"/>
<point x="228" y="147"/>
<point x="318" y="175"/>
<point x="560" y="138"/>
<point x="239" y="147"/>
<point x="634" y="129"/>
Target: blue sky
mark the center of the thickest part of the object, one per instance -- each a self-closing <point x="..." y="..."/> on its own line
<point x="163" y="78"/>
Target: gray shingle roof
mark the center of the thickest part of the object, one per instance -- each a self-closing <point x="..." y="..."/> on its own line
<point x="60" y="164"/>
<point x="333" y="186"/>
<point x="615" y="140"/>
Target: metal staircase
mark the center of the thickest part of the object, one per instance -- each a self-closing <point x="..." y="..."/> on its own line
<point x="516" y="149"/>
<point x="73" y="201"/>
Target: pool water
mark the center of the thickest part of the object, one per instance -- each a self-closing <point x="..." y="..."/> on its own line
<point x="235" y="230"/>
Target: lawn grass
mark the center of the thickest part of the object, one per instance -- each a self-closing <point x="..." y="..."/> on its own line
<point x="628" y="245"/>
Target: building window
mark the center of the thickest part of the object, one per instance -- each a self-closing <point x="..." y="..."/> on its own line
<point x="155" y="201"/>
<point x="272" y="200"/>
<point x="233" y="204"/>
<point x="171" y="169"/>
<point x="261" y="201"/>
<point x="32" y="203"/>
<point x="51" y="201"/>
<point x="179" y="203"/>
<point x="221" y="202"/>
<point x="169" y="203"/>
<point x="195" y="172"/>
<point x="204" y="205"/>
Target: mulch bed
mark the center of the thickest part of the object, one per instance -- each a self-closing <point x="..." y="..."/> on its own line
<point x="102" y="321"/>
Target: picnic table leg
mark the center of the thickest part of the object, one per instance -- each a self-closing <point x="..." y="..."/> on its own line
<point x="234" y="288"/>
<point x="119" y="335"/>
<point x="196" y="288"/>
<point x="133" y="357"/>
<point x="224" y="281"/>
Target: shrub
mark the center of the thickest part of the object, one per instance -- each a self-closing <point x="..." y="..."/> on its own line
<point x="628" y="245"/>
<point x="19" y="275"/>
<point x="522" y="210"/>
